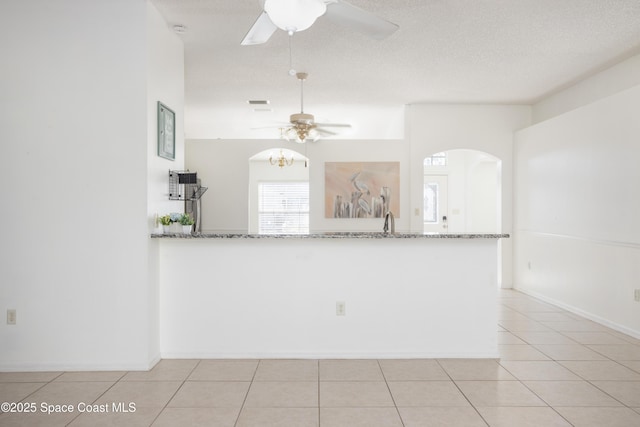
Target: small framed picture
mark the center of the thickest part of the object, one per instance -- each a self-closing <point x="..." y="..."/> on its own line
<point x="166" y="132"/>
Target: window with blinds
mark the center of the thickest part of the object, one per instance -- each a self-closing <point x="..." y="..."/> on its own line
<point x="283" y="207"/>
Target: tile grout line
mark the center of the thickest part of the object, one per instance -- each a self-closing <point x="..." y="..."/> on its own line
<point x="318" y="378"/>
<point x="175" y="393"/>
<point x="607" y="393"/>
<point x="395" y="405"/>
<point x="244" y="401"/>
<point x="6" y="414"/>
<point x="521" y="382"/>
<point x="461" y="392"/>
<point x="44" y="385"/>
<point x="95" y="400"/>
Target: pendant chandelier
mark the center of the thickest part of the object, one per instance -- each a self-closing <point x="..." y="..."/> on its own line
<point x="281" y="160"/>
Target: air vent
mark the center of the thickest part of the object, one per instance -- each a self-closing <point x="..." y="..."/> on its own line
<point x="258" y="102"/>
<point x="179" y="29"/>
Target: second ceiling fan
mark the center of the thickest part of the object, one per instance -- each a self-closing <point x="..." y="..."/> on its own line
<point x="303" y="126"/>
<point x="298" y="15"/>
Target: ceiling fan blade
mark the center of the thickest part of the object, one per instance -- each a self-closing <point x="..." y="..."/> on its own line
<point x="325" y="132"/>
<point x="360" y="20"/>
<point x="260" y="32"/>
<point x="333" y="125"/>
<point x="274" y="126"/>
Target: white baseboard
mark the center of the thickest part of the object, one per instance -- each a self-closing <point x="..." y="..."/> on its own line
<point x="75" y="367"/>
<point x="258" y="355"/>
<point x="575" y="310"/>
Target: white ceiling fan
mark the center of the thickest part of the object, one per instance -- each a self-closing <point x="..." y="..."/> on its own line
<point x="303" y="127"/>
<point x="298" y="15"/>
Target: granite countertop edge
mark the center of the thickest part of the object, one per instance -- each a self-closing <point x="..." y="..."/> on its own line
<point x="337" y="235"/>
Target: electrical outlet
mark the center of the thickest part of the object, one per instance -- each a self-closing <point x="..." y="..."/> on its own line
<point x="11" y="317"/>
<point x="341" y="309"/>
<point x="636" y="295"/>
<point x="529" y="265"/>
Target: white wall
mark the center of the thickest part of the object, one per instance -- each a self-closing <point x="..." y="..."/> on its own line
<point x="223" y="166"/>
<point x="267" y="298"/>
<point x="577" y="210"/>
<point x="488" y="128"/>
<point x="165" y="83"/>
<point x="241" y="122"/>
<point x="473" y="191"/>
<point x="483" y="197"/>
<point x="76" y="259"/>
<point x="621" y="76"/>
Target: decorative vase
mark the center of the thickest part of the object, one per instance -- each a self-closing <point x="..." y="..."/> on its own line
<point x="166" y="229"/>
<point x="186" y="229"/>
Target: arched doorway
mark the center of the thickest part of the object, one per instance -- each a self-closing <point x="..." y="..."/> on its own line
<point x="278" y="192"/>
<point x="462" y="192"/>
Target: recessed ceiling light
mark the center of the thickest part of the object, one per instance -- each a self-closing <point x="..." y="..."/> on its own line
<point x="179" y="29"/>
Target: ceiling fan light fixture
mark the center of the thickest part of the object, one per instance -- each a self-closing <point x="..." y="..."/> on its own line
<point x="301" y="118"/>
<point x="302" y="134"/>
<point x="287" y="133"/>
<point x="299" y="133"/>
<point x="294" y="15"/>
<point x="313" y="135"/>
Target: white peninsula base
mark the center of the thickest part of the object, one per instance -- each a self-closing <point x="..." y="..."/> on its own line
<point x="224" y="297"/>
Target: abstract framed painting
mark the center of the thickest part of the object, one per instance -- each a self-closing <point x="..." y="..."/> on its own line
<point x="361" y="189"/>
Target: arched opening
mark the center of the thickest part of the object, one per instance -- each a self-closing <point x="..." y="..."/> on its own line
<point x="462" y="192"/>
<point x="278" y="192"/>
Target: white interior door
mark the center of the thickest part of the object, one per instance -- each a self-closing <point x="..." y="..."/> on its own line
<point x="435" y="210"/>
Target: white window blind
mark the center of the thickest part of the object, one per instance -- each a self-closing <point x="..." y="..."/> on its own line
<point x="283" y="207"/>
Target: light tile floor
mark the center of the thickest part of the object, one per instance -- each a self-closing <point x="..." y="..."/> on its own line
<point x="556" y="369"/>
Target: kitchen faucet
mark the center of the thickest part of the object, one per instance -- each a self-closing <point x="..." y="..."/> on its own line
<point x="385" y="228"/>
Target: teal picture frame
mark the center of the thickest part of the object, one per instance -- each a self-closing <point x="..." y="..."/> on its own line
<point x="166" y="132"/>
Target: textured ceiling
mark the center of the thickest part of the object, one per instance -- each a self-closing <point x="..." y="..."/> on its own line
<point x="446" y="51"/>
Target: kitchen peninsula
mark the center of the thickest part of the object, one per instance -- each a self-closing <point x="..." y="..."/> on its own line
<point x="329" y="295"/>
